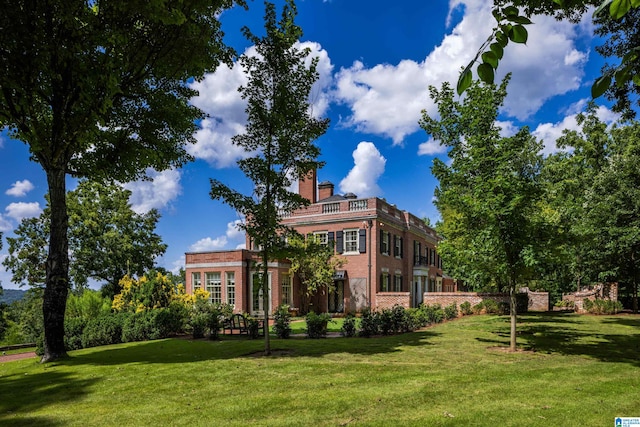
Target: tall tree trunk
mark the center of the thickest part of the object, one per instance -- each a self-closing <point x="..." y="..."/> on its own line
<point x="265" y="301"/>
<point x="57" y="268"/>
<point x="514" y="315"/>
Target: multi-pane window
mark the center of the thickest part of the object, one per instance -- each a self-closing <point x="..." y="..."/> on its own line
<point x="285" y="289"/>
<point x="351" y="241"/>
<point x="385" y="286"/>
<point x="397" y="283"/>
<point x="384" y="242"/>
<point x="214" y="287"/>
<point x="322" y="237"/>
<point x="231" y="288"/>
<point x="196" y="281"/>
<point x="397" y="250"/>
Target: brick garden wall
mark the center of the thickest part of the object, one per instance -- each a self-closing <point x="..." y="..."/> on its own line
<point x="389" y="299"/>
<point x="448" y="298"/>
<point x="538" y="301"/>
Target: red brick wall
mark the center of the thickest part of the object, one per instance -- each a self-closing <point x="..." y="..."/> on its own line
<point x="448" y="298"/>
<point x="389" y="299"/>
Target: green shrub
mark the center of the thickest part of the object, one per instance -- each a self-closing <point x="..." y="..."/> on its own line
<point x="451" y="311"/>
<point x="73" y="329"/>
<point x="369" y="323"/>
<point x="348" y="328"/>
<point x="104" y="330"/>
<point x="317" y="324"/>
<point x="491" y="307"/>
<point x="465" y="308"/>
<point x="434" y="313"/>
<point x="602" y="306"/>
<point x="478" y="308"/>
<point x="282" y="322"/>
<point x="418" y="316"/>
<point x="150" y="325"/>
<point x="385" y="321"/>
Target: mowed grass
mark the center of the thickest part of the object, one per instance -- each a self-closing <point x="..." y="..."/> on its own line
<point x="576" y="371"/>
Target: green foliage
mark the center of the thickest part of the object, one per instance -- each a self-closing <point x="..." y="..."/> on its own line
<point x="369" y="323"/>
<point x="105" y="94"/>
<point x="451" y="311"/>
<point x="314" y="263"/>
<point x="73" y="331"/>
<point x="465" y="308"/>
<point x="282" y="321"/>
<point x="207" y="317"/>
<point x="149" y="325"/>
<point x="349" y="328"/>
<point x="104" y="330"/>
<point x="433" y="313"/>
<point x="317" y="324"/>
<point x="87" y="304"/>
<point x="615" y="22"/>
<point x="279" y="134"/>
<point x="602" y="306"/>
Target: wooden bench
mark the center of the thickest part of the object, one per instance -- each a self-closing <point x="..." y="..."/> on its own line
<point x="237" y="322"/>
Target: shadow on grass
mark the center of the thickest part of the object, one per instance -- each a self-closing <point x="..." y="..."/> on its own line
<point x="178" y="350"/>
<point x="566" y="334"/>
<point x="21" y="394"/>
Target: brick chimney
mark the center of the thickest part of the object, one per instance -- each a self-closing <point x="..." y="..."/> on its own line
<point x="325" y="190"/>
<point x="307" y="186"/>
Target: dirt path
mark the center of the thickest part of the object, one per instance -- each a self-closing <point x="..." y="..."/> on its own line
<point x="17" y="356"/>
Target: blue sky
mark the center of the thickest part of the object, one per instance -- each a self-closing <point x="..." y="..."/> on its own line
<point x="377" y="60"/>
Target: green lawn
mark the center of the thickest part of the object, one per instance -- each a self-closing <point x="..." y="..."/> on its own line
<point x="579" y="371"/>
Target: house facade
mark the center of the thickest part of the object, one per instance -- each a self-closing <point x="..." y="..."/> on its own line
<point x="390" y="258"/>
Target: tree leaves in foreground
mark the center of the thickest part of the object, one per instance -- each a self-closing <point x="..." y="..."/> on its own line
<point x="100" y="89"/>
<point x="279" y="135"/>
<point x="616" y="22"/>
<point x="489" y="192"/>
<point x="107" y="240"/>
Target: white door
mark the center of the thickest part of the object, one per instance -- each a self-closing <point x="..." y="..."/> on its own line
<point x="257" y="303"/>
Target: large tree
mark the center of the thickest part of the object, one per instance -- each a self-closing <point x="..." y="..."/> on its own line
<point x="489" y="190"/>
<point x="107" y="239"/>
<point x="100" y="89"/>
<point x="613" y="211"/>
<point x="280" y="136"/>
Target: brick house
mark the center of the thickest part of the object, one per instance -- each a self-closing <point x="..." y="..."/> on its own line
<point x="390" y="258"/>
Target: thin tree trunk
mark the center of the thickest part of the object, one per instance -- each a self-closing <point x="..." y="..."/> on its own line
<point x="57" y="269"/>
<point x="514" y="315"/>
<point x="265" y="302"/>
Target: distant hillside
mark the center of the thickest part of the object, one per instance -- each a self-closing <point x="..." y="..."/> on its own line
<point x="10" y="295"/>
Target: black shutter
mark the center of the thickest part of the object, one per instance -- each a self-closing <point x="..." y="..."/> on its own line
<point x="395" y="245"/>
<point x="339" y="244"/>
<point x="381" y="241"/>
<point x="330" y="239"/>
<point x="401" y="247"/>
<point x="362" y="240"/>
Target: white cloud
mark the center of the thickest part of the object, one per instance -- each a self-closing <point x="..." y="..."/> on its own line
<point x="232" y="235"/>
<point x="177" y="265"/>
<point x="387" y="99"/>
<point x="431" y="148"/>
<point x="208" y="244"/>
<point x="19" y="211"/>
<point x="20" y="188"/>
<point x="234" y="232"/>
<point x="220" y="100"/>
<point x="156" y="193"/>
<point x="550" y="132"/>
<point x="5" y="225"/>
<point x="368" y="167"/>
